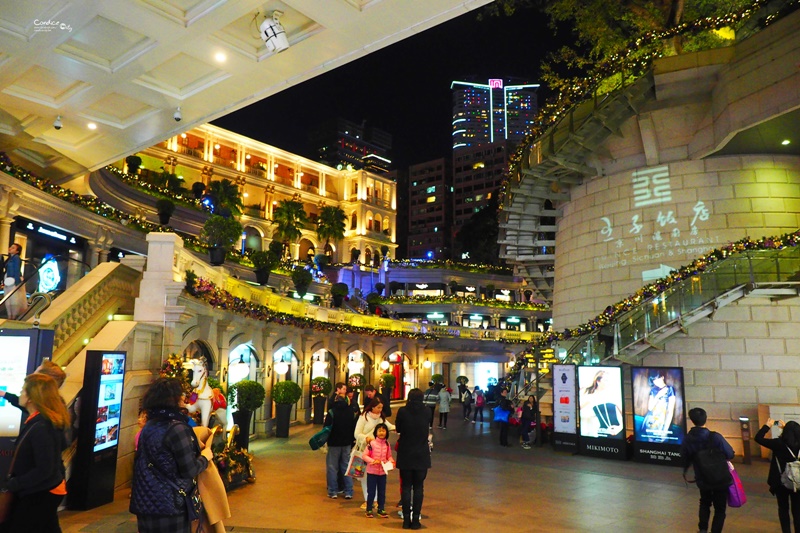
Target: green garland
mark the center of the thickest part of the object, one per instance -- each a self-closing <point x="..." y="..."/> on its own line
<point x="466" y="300"/>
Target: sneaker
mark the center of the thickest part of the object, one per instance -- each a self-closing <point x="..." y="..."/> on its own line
<point x="467" y="419"/>
<point x="473" y="421"/>
<point x="445" y="427"/>
<point x="364" y="506"/>
<point x="340" y="492"/>
<point x="382" y="513"/>
<point x="348" y="496"/>
<point x="399" y="504"/>
<point x="440" y="427"/>
<point x="369" y="514"/>
<point x="332" y="496"/>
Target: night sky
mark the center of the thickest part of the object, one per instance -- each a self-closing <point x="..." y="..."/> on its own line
<point x="404" y="89"/>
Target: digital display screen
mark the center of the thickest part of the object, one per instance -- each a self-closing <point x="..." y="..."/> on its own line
<point x="600" y="402"/>
<point x="658" y="405"/>
<point x="109" y="401"/>
<point x="14" y="354"/>
<point x="564" y="399"/>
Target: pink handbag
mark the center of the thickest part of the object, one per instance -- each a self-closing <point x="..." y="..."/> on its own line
<point x="736" y="495"/>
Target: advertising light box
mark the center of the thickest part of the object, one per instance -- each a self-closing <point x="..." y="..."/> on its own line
<point x="658" y="414"/>
<point x="601" y="415"/>
<point x="565" y="423"/>
<point x="109" y="401"/>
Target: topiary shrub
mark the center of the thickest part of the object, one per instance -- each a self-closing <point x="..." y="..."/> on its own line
<point x="388" y="381"/>
<point x="437" y="378"/>
<point x="302" y="280"/>
<point x="321" y="386"/>
<point x="247" y="395"/>
<point x="286" y="392"/>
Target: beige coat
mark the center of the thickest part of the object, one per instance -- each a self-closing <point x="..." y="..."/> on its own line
<point x="212" y="490"/>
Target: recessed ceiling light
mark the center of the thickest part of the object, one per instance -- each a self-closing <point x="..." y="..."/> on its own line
<point x="786" y="142"/>
<point x="220" y="57"/>
<point x="91" y="126"/>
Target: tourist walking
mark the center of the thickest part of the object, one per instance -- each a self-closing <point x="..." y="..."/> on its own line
<point x="444" y="407"/>
<point x="785" y="449"/>
<point x="466" y="402"/>
<point x="480" y="401"/>
<point x="413" y="455"/>
<point x="697" y="439"/>
<point x="430" y="399"/>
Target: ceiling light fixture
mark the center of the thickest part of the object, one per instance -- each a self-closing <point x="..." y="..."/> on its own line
<point x="220" y="57"/>
<point x="91" y="126"/>
<point x="786" y="142"/>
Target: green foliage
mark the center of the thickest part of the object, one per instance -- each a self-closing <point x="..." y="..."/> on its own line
<point x="164" y="206"/>
<point x="198" y="188"/>
<point x="220" y="231"/>
<point x="356" y="381"/>
<point x="134" y="162"/>
<point x="462" y="380"/>
<point x="384" y="250"/>
<point x="302" y="279"/>
<point x="286" y="392"/>
<point x="354" y="255"/>
<point x="276" y="247"/>
<point x="191" y="278"/>
<point x="227" y="196"/>
<point x="339" y="289"/>
<point x="290" y="217"/>
<point x="331" y="224"/>
<point x="321" y="386"/>
<point x="247" y="395"/>
<point x="214" y="383"/>
<point x="321" y="260"/>
<point x="388" y="381"/>
<point x="264" y="260"/>
<point x="437" y="378"/>
<point x="379" y="288"/>
<point x="373" y="298"/>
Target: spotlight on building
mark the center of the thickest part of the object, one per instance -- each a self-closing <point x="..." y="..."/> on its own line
<point x="273" y="33"/>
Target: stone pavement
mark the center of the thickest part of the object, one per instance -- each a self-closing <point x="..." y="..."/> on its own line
<point x="474" y="484"/>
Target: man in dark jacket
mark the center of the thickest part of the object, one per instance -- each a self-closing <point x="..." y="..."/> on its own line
<point x="343" y="424"/>
<point x="700" y="438"/>
<point x="431" y="398"/>
<point x="413" y="455"/>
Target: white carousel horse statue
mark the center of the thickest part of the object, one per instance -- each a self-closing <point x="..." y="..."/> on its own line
<point x="204" y="398"/>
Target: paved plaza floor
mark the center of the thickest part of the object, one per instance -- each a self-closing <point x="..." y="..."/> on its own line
<point x="474" y="485"/>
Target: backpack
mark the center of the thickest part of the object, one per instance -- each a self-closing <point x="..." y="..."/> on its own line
<point x="467" y="397"/>
<point x="479" y="401"/>
<point x="711" y="467"/>
<point x="790" y="476"/>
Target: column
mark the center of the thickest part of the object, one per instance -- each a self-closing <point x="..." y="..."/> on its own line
<point x="322" y="184"/>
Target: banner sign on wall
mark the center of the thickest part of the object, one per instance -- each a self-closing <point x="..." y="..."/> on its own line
<point x="658" y="414"/>
<point x="565" y="426"/>
<point x="602" y="420"/>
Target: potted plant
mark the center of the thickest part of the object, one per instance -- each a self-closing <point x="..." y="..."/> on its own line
<point x="244" y="398"/>
<point x="263" y="262"/>
<point x="198" y="188"/>
<point x="220" y="233"/>
<point x="384" y="251"/>
<point x="165" y="209"/>
<point x="387" y="383"/>
<point x="379" y="288"/>
<point x="438" y="381"/>
<point x="191" y="279"/>
<point x="338" y="292"/>
<point x="357" y="382"/>
<point x="354" y="255"/>
<point x="321" y="388"/>
<point x="302" y="280"/>
<point x="394" y="286"/>
<point x="134" y="162"/>
<point x="373" y="299"/>
<point x="285" y="394"/>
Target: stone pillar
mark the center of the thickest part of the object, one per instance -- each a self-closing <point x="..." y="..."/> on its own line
<point x="5" y="233"/>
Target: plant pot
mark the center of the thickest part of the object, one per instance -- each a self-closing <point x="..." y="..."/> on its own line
<point x="387" y="398"/>
<point x="282" y="413"/>
<point x="163" y="218"/>
<point x="301" y="289"/>
<point x="262" y="276"/>
<point x="319" y="410"/>
<point x="216" y="255"/>
<point x="338" y="300"/>
<point x="242" y="419"/>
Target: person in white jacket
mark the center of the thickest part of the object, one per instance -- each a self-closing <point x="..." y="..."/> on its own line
<point x="364" y="432"/>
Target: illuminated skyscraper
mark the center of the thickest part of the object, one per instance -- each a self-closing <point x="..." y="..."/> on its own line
<point x="492" y="112"/>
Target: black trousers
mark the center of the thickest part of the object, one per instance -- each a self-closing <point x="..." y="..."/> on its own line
<point x="717" y="498"/>
<point x="504" y="433"/>
<point x="412" y="491"/>
<point x="443" y="419"/>
<point x="787" y="499"/>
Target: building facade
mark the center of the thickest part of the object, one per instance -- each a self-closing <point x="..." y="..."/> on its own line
<point x="430" y="210"/>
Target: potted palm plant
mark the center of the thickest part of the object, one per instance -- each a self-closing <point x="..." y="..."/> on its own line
<point x="245" y="397"/>
<point x="302" y="280"/>
<point x="220" y="233"/>
<point x="321" y="387"/>
<point x="285" y="394"/>
<point x="263" y="262"/>
<point x="338" y="292"/>
<point x="165" y="208"/>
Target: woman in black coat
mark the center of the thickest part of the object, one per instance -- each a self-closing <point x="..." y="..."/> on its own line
<point x="782" y="449"/>
<point x="413" y="455"/>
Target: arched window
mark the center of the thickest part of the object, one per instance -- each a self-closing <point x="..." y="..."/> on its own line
<point x="353" y="220"/>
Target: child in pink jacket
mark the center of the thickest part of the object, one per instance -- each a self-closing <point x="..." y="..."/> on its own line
<point x="377" y="453"/>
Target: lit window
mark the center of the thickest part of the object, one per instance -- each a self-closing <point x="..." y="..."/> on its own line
<point x="431" y="199"/>
<point x="431" y="190"/>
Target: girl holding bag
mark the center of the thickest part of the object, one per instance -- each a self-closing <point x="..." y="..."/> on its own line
<point x="378" y="457"/>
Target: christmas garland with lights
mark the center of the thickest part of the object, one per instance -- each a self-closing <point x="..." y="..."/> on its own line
<point x="217" y="298"/>
<point x="613" y="312"/>
<point x="464" y="300"/>
<point x="630" y="64"/>
<point x="157" y="191"/>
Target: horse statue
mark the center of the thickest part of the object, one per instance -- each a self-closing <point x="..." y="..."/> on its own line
<point x="204" y="398"/>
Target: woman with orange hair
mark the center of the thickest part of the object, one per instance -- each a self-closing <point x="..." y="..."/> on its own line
<point x="37" y="473"/>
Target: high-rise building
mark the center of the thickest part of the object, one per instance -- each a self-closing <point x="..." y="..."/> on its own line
<point x="344" y="144"/>
<point x="492" y="112"/>
<point x="430" y="209"/>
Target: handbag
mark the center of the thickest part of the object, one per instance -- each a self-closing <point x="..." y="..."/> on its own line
<point x="7" y="498"/>
<point x="736" y="495"/>
<point x="356" y="467"/>
<point x="319" y="438"/>
<point x="500" y="414"/>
